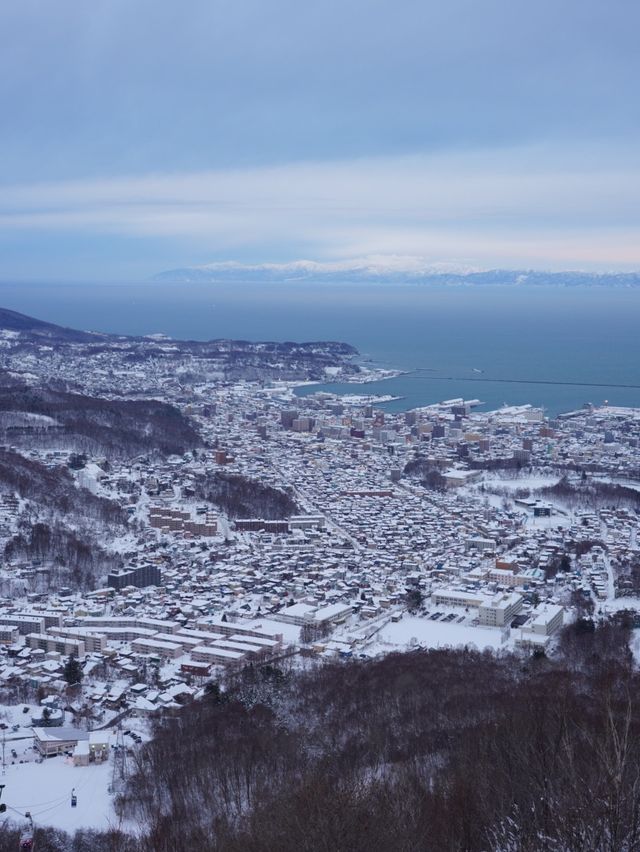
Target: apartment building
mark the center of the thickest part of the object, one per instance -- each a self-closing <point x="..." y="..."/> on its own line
<point x="500" y="610"/>
<point x="60" y="644"/>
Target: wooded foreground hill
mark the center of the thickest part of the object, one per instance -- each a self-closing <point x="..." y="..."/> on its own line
<point x="41" y="417"/>
<point x="428" y="751"/>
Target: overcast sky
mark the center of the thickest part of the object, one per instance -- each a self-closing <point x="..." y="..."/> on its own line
<point x="140" y="135"/>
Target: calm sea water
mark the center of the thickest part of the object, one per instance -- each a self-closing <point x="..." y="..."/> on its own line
<point x="534" y="337"/>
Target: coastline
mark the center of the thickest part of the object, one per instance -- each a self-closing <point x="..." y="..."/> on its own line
<point x="366" y="377"/>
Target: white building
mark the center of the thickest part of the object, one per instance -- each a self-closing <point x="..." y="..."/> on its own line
<point x="59" y="644"/>
<point x="547" y="618"/>
<point x="217" y="656"/>
<point x="333" y="613"/>
<point x="500" y="610"/>
<point x="457" y="597"/>
<point x="157" y="648"/>
<point x="298" y="614"/>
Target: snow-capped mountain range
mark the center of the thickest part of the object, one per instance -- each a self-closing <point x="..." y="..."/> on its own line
<point x="384" y="269"/>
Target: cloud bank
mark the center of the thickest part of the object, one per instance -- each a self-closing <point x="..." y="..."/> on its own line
<point x="524" y="207"/>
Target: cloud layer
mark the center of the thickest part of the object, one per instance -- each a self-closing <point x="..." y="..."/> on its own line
<point x="506" y="207"/>
<point x="140" y="135"/>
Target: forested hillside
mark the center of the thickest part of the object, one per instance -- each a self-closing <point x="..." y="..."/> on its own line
<point x="439" y="750"/>
<point x="241" y="497"/>
<point x="430" y="751"/>
<point x="45" y="418"/>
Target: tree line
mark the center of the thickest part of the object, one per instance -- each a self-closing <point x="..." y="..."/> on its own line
<point x="430" y="750"/>
<point x="120" y="428"/>
<point x="242" y="497"/>
<point x="54" y="488"/>
<point x="427" y="751"/>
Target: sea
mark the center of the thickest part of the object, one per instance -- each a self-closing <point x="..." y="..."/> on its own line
<point x="554" y="347"/>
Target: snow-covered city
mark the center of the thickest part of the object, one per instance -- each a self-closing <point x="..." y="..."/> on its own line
<point x="284" y="532"/>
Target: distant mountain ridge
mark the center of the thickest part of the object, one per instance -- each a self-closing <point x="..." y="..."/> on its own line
<point x="14" y="321"/>
<point x="235" y="360"/>
<point x="387" y="270"/>
<point x="39" y="330"/>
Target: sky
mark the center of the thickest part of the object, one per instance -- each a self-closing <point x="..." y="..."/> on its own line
<point x="143" y="135"/>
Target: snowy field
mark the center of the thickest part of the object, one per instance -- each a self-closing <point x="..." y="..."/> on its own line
<point x="617" y="604"/>
<point x="509" y="485"/>
<point x="45" y="790"/>
<point x="413" y="632"/>
<point x="515" y="483"/>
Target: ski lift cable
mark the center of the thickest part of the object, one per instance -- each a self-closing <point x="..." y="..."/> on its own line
<point x="11" y="808"/>
<point x="59" y="800"/>
<point x="52" y="807"/>
<point x="41" y="804"/>
<point x="59" y="804"/>
<point x="46" y="810"/>
<point x="22" y="814"/>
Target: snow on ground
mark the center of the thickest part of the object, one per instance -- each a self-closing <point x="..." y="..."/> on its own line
<point x="422" y="632"/>
<point x="619" y="480"/>
<point x="44" y="789"/>
<point x="509" y="485"/>
<point x="555" y="521"/>
<point x="617" y="604"/>
<point x="515" y="483"/>
<point x="13" y="714"/>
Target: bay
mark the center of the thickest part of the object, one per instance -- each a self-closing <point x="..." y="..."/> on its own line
<point x="499" y="344"/>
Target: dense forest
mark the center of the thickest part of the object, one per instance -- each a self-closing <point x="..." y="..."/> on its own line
<point x="241" y="497"/>
<point x="54" y="488"/>
<point x="60" y="525"/>
<point x="428" y="751"/>
<point x="53" y="419"/>
<point x="593" y="493"/>
<point x="68" y="557"/>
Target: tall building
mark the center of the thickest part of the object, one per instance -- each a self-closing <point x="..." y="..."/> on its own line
<point x="287" y="418"/>
<point x="500" y="610"/>
<point x="145" y="575"/>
